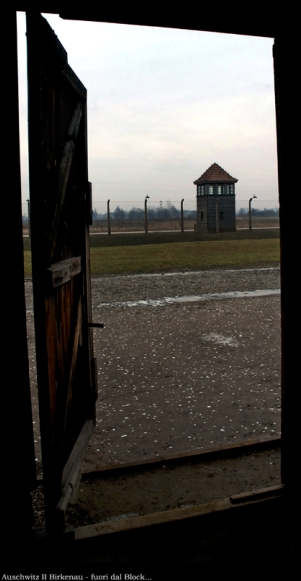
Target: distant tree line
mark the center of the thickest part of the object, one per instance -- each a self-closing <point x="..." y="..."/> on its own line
<point x="160" y="213"/>
<point x="266" y="213"/>
<point x="168" y="213"/>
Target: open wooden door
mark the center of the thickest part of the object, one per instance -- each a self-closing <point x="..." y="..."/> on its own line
<point x="60" y="196"/>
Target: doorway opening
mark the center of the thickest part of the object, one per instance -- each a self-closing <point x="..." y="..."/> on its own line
<point x="214" y="345"/>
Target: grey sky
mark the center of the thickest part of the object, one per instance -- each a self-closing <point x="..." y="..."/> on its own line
<point x="163" y="105"/>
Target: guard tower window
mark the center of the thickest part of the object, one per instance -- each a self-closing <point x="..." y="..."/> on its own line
<point x="201" y="190"/>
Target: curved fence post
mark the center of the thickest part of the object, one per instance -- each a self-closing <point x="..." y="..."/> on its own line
<point x="109" y="218"/>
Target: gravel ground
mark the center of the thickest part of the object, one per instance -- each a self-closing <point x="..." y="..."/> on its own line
<point x="180" y="376"/>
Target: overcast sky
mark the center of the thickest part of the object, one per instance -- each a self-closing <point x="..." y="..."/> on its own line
<point x="163" y="105"/>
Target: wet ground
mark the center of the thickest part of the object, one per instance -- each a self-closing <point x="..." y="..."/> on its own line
<point x="186" y="361"/>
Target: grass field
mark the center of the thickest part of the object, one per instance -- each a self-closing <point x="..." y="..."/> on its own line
<point x="137" y="253"/>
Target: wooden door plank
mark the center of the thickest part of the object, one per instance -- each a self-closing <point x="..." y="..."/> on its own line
<point x="60" y="253"/>
<point x="72" y="472"/>
<point x="64" y="172"/>
<point x="75" y="345"/>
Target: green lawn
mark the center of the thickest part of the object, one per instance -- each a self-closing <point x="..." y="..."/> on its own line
<point x="183" y="255"/>
<point x="170" y="256"/>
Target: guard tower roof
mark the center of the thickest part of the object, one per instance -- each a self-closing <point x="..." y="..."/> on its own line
<point x="215" y="174"/>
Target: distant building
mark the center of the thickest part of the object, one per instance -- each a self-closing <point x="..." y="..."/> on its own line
<point x="215" y="191"/>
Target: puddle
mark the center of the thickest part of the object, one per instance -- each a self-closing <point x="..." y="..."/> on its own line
<point x="192" y="298"/>
<point x="198" y="272"/>
<point x="219" y="339"/>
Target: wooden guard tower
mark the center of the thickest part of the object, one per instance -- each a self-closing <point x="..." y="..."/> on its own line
<point x="215" y="200"/>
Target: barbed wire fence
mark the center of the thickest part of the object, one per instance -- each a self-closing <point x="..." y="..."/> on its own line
<point x="151" y="214"/>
